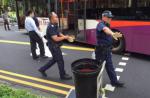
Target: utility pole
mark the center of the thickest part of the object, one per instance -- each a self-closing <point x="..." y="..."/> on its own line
<point x="49" y="6"/>
<point x="17" y="13"/>
<point x="56" y="6"/>
<point x="85" y="3"/>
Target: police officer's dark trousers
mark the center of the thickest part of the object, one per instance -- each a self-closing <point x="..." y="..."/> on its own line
<point x="104" y="53"/>
<point x="34" y="38"/>
<point x="57" y="57"/>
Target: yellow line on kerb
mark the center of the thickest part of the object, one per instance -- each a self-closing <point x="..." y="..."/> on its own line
<point x="64" y="47"/>
<point x="35" y="85"/>
<point x="37" y="79"/>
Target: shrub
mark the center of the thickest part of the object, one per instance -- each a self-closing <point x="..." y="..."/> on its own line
<point x="8" y="92"/>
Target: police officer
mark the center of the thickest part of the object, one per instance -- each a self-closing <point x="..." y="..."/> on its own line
<point x="104" y="44"/>
<point x="55" y="39"/>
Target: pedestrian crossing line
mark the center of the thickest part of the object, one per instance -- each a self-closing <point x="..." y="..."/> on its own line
<point x="37" y="79"/>
<point x="63" y="92"/>
<point x="64" y="47"/>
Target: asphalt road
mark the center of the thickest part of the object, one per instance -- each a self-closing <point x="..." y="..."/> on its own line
<point x="136" y="78"/>
<point x="17" y="66"/>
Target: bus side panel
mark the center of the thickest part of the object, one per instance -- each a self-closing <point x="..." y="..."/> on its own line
<point x="141" y="39"/>
<point x="137" y="38"/>
<point x="91" y="36"/>
<point x="127" y="33"/>
<point x="91" y="31"/>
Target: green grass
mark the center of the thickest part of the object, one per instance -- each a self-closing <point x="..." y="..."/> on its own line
<point x="9" y="92"/>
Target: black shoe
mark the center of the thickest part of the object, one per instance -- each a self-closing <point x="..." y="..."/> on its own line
<point x="36" y="58"/>
<point x="118" y="84"/>
<point x="43" y="73"/>
<point x="66" y="77"/>
<point x="44" y="57"/>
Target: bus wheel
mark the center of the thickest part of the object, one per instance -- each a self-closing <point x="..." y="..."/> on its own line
<point x="118" y="45"/>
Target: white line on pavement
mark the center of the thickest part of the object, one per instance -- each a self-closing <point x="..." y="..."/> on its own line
<point x="122" y="63"/>
<point x="119" y="70"/>
<point x="118" y="77"/>
<point x="125" y="58"/>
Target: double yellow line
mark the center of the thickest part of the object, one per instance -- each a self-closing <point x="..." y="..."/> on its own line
<point x="64" y="47"/>
<point x="6" y="75"/>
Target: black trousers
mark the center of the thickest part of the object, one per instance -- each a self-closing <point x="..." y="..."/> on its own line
<point x="34" y="38"/>
<point x="57" y="57"/>
<point x="104" y="53"/>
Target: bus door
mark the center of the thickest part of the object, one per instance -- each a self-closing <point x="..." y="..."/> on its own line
<point x="81" y="20"/>
<point x="68" y="20"/>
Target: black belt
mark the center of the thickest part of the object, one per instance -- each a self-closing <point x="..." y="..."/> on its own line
<point x="104" y="46"/>
<point x="31" y="31"/>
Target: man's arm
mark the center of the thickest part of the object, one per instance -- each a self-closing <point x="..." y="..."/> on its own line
<point x="115" y="35"/>
<point x="61" y="35"/>
<point x="59" y="38"/>
<point x="108" y="31"/>
<point x="35" y="28"/>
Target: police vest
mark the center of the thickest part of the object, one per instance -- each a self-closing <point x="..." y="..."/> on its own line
<point x="102" y="37"/>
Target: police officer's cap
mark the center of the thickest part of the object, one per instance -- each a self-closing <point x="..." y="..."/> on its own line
<point x="108" y="14"/>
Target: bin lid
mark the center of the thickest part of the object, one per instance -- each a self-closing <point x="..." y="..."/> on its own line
<point x="86" y="66"/>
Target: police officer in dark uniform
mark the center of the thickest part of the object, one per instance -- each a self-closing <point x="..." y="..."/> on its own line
<point x="55" y="39"/>
<point x="104" y="44"/>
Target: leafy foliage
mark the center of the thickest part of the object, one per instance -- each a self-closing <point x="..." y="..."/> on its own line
<point x="8" y="92"/>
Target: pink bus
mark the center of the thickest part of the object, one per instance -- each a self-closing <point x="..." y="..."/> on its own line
<point x="132" y="19"/>
<point x="80" y="17"/>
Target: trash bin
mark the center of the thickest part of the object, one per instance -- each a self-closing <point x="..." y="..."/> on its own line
<point x="85" y="73"/>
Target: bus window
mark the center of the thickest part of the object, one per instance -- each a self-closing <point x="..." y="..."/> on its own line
<point x="142" y="10"/>
<point x="66" y="11"/>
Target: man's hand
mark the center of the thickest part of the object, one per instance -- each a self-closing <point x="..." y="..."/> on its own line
<point x="71" y="38"/>
<point x="66" y="37"/>
<point x="116" y="35"/>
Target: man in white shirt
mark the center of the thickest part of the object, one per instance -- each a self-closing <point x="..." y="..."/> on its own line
<point x="35" y="36"/>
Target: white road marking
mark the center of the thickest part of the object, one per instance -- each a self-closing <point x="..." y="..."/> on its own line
<point x="118" y="77"/>
<point x="122" y="63"/>
<point x="125" y="58"/>
<point x="119" y="70"/>
<point x="104" y="97"/>
<point x="109" y="87"/>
